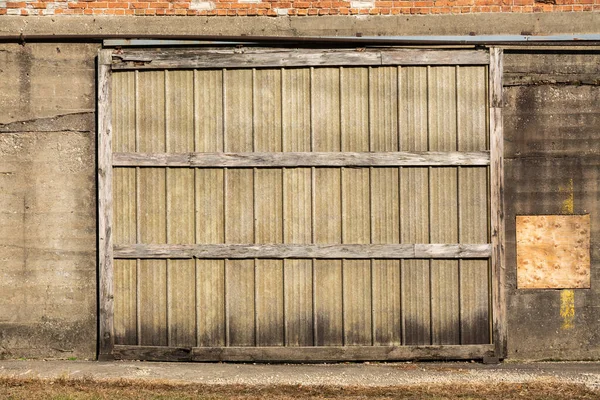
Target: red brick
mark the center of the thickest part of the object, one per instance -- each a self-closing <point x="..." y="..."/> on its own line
<point x="13" y="4"/>
<point x="97" y="5"/>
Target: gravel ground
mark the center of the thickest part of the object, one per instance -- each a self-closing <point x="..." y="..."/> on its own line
<point x="349" y="374"/>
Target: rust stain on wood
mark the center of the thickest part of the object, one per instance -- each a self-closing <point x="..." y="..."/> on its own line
<point x="553" y="251"/>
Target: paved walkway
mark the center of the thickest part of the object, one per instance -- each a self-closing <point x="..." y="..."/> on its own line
<point x="360" y="374"/>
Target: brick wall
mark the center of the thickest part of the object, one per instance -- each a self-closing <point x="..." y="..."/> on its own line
<point x="291" y="7"/>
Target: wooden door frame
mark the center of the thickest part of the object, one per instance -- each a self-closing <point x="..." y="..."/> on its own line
<point x="108" y="61"/>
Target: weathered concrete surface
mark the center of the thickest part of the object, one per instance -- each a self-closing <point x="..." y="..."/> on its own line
<point x="46" y="80"/>
<point x="552" y="166"/>
<point x="516" y="24"/>
<point x="355" y="375"/>
<point x="47" y="201"/>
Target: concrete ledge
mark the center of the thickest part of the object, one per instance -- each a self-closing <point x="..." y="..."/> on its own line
<point x="479" y="24"/>
<point x="353" y="375"/>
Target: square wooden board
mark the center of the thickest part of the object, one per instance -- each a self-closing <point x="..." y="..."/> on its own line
<point x="553" y="251"/>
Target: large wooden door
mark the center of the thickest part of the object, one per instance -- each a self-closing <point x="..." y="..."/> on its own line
<point x="298" y="207"/>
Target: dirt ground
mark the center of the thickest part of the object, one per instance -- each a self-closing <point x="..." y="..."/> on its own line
<point x="87" y="388"/>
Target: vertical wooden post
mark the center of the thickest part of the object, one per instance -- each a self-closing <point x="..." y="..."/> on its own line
<point x="497" y="202"/>
<point x="105" y="242"/>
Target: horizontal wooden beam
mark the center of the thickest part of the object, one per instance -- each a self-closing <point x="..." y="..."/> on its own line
<point x="276" y="58"/>
<point x="321" y="251"/>
<point x="317" y="159"/>
<point x="303" y="354"/>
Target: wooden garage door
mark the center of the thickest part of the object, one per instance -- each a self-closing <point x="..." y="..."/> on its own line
<point x="297" y="210"/>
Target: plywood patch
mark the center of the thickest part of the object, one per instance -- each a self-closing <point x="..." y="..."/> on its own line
<point x="553" y="251"/>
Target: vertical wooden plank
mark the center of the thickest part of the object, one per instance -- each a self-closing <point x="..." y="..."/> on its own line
<point x="296" y="109"/>
<point x="298" y="273"/>
<point x="383" y="105"/>
<point x="328" y="273"/>
<point x="125" y="298"/>
<point x="325" y="128"/>
<point x="386" y="273"/>
<point x="268" y="187"/>
<point x="180" y="209"/>
<point x="443" y="206"/>
<point x="497" y="200"/>
<point x="239" y="208"/>
<point x="269" y="303"/>
<point x="152" y="209"/>
<point x="208" y="99"/>
<point x="354" y="86"/>
<point x="210" y="304"/>
<point x="239" y="228"/>
<point x="444" y="273"/>
<point x="124" y="208"/>
<point x="414" y="200"/>
<point x="298" y="303"/>
<point x="267" y="110"/>
<point x="239" y="290"/>
<point x="123" y="111"/>
<point x="356" y="273"/>
<point x="105" y="217"/>
<point x="209" y="208"/>
<point x="385" y="205"/>
<point x="125" y="302"/>
<point x="298" y="284"/>
<point x="473" y="205"/>
<point x="238" y="110"/>
<point x="210" y="307"/>
<point x="356" y="284"/>
<point x="326" y="109"/>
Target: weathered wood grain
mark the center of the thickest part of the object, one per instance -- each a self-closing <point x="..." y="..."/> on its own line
<point x="443" y="204"/>
<point x="322" y="251"/>
<point x="341" y="353"/>
<point x="105" y="206"/>
<point x="303" y="354"/>
<point x="414" y="206"/>
<point x="152" y="353"/>
<point x="474" y="216"/>
<point x="296" y="159"/>
<point x="497" y="201"/>
<point x="264" y="58"/>
<point x="210" y="302"/>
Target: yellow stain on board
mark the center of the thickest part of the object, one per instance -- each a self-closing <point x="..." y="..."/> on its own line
<point x="568" y="205"/>
<point x="567" y="297"/>
<point x="567" y="308"/>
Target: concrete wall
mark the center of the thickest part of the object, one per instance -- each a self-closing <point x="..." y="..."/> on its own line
<point x="47" y="196"/>
<point x="552" y="132"/>
<point x="47" y="201"/>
